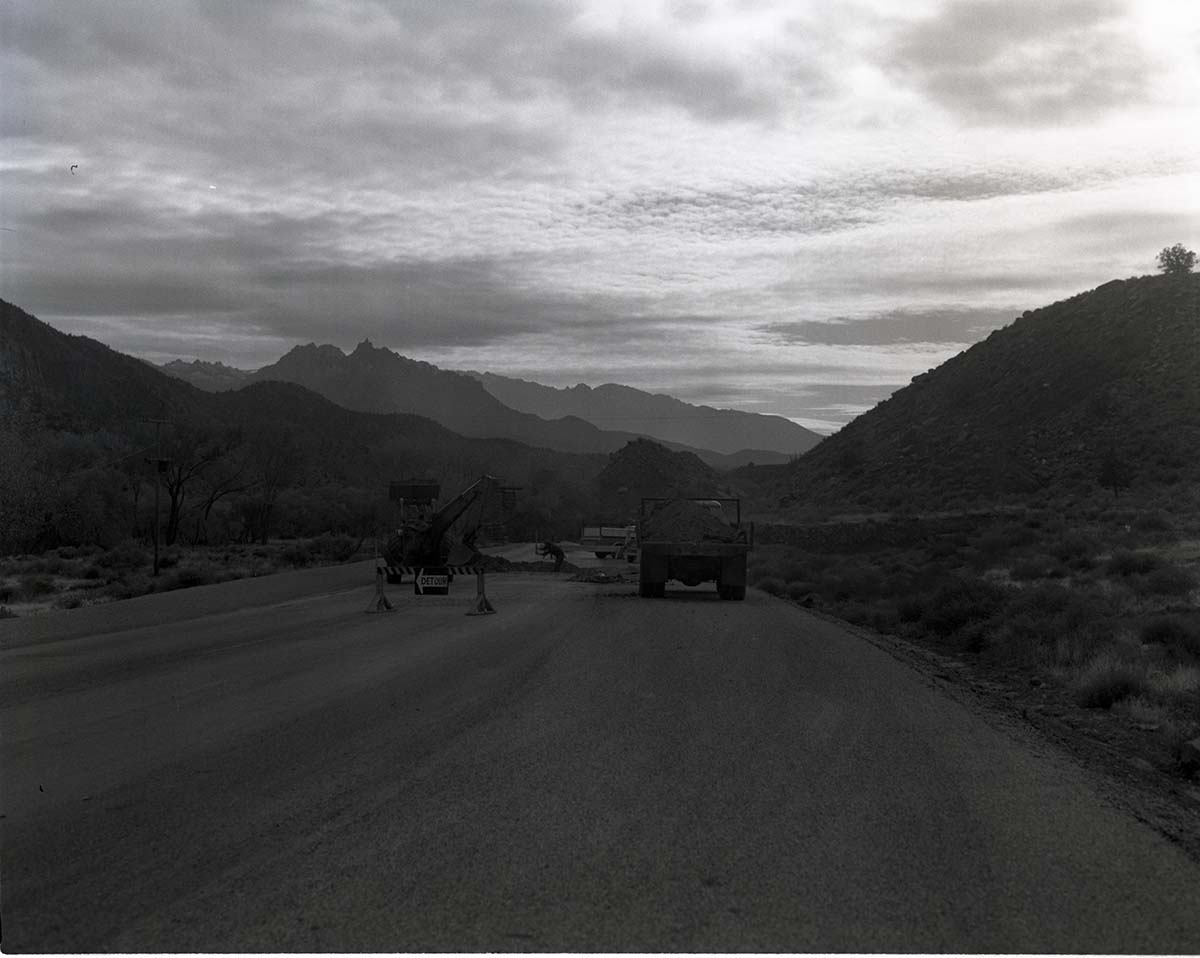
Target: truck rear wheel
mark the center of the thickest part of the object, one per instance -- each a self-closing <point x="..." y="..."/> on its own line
<point x="602" y="555"/>
<point x="652" y="590"/>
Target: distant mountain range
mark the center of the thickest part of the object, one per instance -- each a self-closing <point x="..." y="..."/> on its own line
<point x="1107" y="376"/>
<point x="612" y="406"/>
<point x="373" y="379"/>
<point x="78" y="385"/>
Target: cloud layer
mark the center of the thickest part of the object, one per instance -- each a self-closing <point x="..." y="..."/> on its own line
<point x="785" y="207"/>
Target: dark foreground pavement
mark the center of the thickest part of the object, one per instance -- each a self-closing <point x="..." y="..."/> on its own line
<point x="267" y="768"/>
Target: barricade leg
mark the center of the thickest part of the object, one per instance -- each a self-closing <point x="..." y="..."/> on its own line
<point x="379" y="601"/>
<point x="481" y="606"/>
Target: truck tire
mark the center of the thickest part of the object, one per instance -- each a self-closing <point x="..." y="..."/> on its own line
<point x="602" y="555"/>
<point x="737" y="592"/>
<point x="651" y="590"/>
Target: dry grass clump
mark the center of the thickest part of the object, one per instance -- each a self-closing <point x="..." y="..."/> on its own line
<point x="1107" y="679"/>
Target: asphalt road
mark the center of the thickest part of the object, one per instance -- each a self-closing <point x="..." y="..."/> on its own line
<point x="261" y="766"/>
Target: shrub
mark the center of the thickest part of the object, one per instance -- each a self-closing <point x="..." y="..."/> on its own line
<point x="1076" y="549"/>
<point x="1174" y="632"/>
<point x="298" y="554"/>
<point x="1152" y="522"/>
<point x="1170" y="580"/>
<point x="1038" y="567"/>
<point x="125" y="556"/>
<point x="34" y="585"/>
<point x="960" y="602"/>
<point x="335" y="548"/>
<point x="798" y="590"/>
<point x="910" y="609"/>
<point x="770" y="585"/>
<point x="188" y="576"/>
<point x="1179" y="683"/>
<point x="7" y="613"/>
<point x="1107" y="679"/>
<point x="1126" y="563"/>
<point x="70" y="601"/>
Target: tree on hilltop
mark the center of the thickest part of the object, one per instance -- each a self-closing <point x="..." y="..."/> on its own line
<point x="1174" y="260"/>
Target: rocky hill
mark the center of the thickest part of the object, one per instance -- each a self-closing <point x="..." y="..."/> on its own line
<point x="749" y="436"/>
<point x="1108" y="379"/>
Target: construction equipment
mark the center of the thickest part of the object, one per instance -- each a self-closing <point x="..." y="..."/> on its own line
<point x="692" y="541"/>
<point x="605" y="541"/>
<point x="423" y="540"/>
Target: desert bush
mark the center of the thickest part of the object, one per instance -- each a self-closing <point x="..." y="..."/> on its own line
<point x="1154" y="521"/>
<point x="798" y="590"/>
<point x="1038" y="567"/>
<point x="70" y="601"/>
<point x="910" y="609"/>
<point x="7" y="613"/>
<point x="1180" y="683"/>
<point x="34" y="585"/>
<point x="962" y="601"/>
<point x="770" y="584"/>
<point x="1167" y="580"/>
<point x="127" y="555"/>
<point x="90" y="571"/>
<point x="1125" y="562"/>
<point x="334" y="548"/>
<point x="190" y="575"/>
<point x="1108" y="679"/>
<point x="1175" y="632"/>
<point x="1075" y="548"/>
<point x="852" y="581"/>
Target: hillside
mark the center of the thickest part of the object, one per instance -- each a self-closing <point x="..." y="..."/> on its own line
<point x="751" y="436"/>
<point x="77" y="383"/>
<point x="1107" y="376"/>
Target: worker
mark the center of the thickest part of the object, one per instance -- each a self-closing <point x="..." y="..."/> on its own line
<point x="552" y="549"/>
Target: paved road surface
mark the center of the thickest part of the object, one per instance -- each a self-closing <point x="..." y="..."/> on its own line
<point x="260" y="766"/>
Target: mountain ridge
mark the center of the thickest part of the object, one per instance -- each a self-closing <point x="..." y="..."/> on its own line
<point x="656" y="415"/>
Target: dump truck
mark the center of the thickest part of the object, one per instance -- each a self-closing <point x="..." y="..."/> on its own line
<point x="693" y="541"/>
<point x="606" y="541"/>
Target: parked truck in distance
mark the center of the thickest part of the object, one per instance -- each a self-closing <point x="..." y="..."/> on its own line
<point x="693" y="541"/>
<point x="606" y="541"/>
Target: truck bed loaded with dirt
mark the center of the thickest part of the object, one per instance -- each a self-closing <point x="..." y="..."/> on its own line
<point x="693" y="541"/>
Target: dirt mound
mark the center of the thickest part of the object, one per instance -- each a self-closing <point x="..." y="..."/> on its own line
<point x="681" y="521"/>
<point x="599" y="576"/>
<point x="500" y="564"/>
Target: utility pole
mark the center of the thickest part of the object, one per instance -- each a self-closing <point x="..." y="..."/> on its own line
<point x="160" y="466"/>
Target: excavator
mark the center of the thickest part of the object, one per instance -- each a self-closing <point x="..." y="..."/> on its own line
<point x="423" y="539"/>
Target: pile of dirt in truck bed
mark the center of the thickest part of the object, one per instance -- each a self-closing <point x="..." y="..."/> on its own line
<point x="645" y="468"/>
<point x="678" y="520"/>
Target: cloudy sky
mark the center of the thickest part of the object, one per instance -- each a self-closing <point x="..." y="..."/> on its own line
<point x="786" y="207"/>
